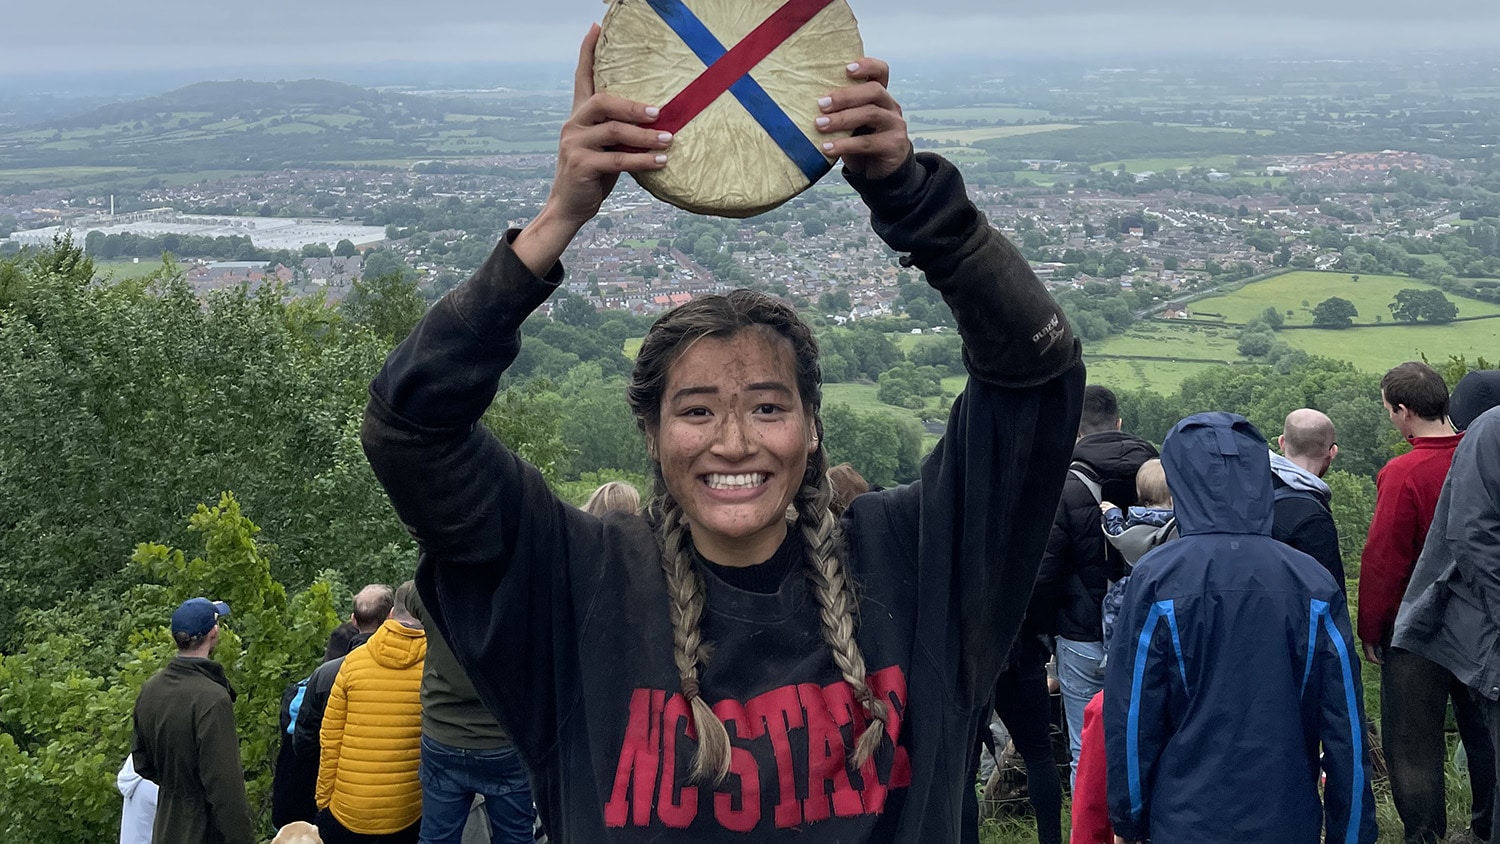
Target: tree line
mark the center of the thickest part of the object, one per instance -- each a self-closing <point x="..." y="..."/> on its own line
<point x="129" y="409"/>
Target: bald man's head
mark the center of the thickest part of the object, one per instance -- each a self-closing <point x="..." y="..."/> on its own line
<point x="1307" y="439"/>
<point x="372" y="605"/>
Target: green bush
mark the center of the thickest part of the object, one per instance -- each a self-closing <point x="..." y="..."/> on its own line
<point x="67" y="693"/>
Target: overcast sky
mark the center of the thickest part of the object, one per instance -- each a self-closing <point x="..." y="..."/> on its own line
<point x="254" y="39"/>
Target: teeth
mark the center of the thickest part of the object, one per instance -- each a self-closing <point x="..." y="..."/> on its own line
<point x="736" y="481"/>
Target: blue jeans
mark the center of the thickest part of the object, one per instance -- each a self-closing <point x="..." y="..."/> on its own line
<point x="451" y="776"/>
<point x="1080" y="673"/>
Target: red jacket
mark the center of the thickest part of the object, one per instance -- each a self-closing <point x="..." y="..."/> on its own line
<point x="1090" y="797"/>
<point x="1406" y="493"/>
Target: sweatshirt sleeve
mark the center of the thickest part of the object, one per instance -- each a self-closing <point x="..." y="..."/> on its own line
<point x="1348" y="802"/>
<point x="493" y="537"/>
<point x="223" y="776"/>
<point x="1143" y="673"/>
<point x="1391" y="551"/>
<point x="989" y="488"/>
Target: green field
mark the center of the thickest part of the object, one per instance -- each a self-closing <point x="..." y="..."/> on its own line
<point x="1194" y="348"/>
<point x="1172" y="340"/>
<point x="986" y="133"/>
<point x="1157" y="376"/>
<point x="1223" y="130"/>
<point x="1371" y="295"/>
<point x="1191" y="348"/>
<point x="1377" y="349"/>
<point x="861" y="397"/>
<point x="1161" y="165"/>
<point x="1372" y="348"/>
<point x="61" y="175"/>
<point x="981" y="112"/>
<point x="121" y="270"/>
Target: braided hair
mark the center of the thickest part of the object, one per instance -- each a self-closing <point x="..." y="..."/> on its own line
<point x="671" y="336"/>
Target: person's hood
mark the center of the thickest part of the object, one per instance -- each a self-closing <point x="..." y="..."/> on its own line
<point x="1219" y="471"/>
<point x="1113" y="455"/>
<point x="127" y="780"/>
<point x="397" y="646"/>
<point x="1474" y="393"/>
<point x="1136" y="540"/>
<point x="1299" y="478"/>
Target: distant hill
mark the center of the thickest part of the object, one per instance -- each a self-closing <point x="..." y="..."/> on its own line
<point x="226" y="100"/>
<point x="243" y="125"/>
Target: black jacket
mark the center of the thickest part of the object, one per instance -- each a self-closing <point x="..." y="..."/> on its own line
<point x="1079" y="564"/>
<point x="185" y="741"/>
<point x="562" y="619"/>
<point x="305" y="740"/>
<point x="1304" y="522"/>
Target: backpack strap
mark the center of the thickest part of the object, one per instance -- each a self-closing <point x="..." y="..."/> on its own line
<point x="294" y="705"/>
<point x="1078" y="471"/>
<point x="1165" y="533"/>
<point x="1282" y="493"/>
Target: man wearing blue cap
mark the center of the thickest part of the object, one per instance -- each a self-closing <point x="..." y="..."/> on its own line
<point x="185" y="740"/>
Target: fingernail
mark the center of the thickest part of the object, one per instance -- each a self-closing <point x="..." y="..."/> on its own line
<point x="852" y="67"/>
<point x="828" y="146"/>
<point x="661" y="159"/>
<point x="822" y="122"/>
<point x="664" y="137"/>
<point x="652" y="111"/>
<point x="825" y="102"/>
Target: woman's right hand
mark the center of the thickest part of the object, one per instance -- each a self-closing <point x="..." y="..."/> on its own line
<point x="590" y="160"/>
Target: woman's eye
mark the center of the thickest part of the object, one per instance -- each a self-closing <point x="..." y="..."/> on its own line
<point x="695" y="411"/>
<point x="768" y="408"/>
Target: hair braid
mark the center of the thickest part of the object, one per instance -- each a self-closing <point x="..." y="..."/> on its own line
<point x="836" y="597"/>
<point x="689" y="649"/>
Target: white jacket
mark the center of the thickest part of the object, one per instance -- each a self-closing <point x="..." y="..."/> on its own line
<point x="140" y="804"/>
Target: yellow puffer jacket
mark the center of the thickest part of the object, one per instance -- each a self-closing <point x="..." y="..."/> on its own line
<point x="372" y="734"/>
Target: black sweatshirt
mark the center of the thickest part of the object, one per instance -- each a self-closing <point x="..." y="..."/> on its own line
<point x="562" y="618"/>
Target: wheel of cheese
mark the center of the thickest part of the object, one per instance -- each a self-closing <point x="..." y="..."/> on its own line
<point x="738" y="83"/>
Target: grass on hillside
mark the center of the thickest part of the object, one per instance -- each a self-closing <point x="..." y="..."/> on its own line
<point x="1157" y="376"/>
<point x="61" y="175"/>
<point x="1371" y="295"/>
<point x="126" y="269"/>
<point x="1171" y="340"/>
<point x="1374" y="349"/>
<point x="977" y="112"/>
<point x="1379" y="348"/>
<point x="1371" y="349"/>
<point x="986" y="133"/>
<point x="1224" y="130"/>
<point x="1162" y="165"/>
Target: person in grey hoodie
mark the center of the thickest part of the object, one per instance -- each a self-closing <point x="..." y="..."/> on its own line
<point x="1303" y="513"/>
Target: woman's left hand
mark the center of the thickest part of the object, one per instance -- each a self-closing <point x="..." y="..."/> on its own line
<point x="879" y="145"/>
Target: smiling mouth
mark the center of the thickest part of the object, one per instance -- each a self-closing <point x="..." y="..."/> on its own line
<point x="748" y="480"/>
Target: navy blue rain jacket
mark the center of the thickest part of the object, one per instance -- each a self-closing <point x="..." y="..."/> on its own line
<point x="1232" y="666"/>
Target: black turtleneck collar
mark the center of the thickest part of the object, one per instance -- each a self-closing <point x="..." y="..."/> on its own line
<point x="762" y="578"/>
